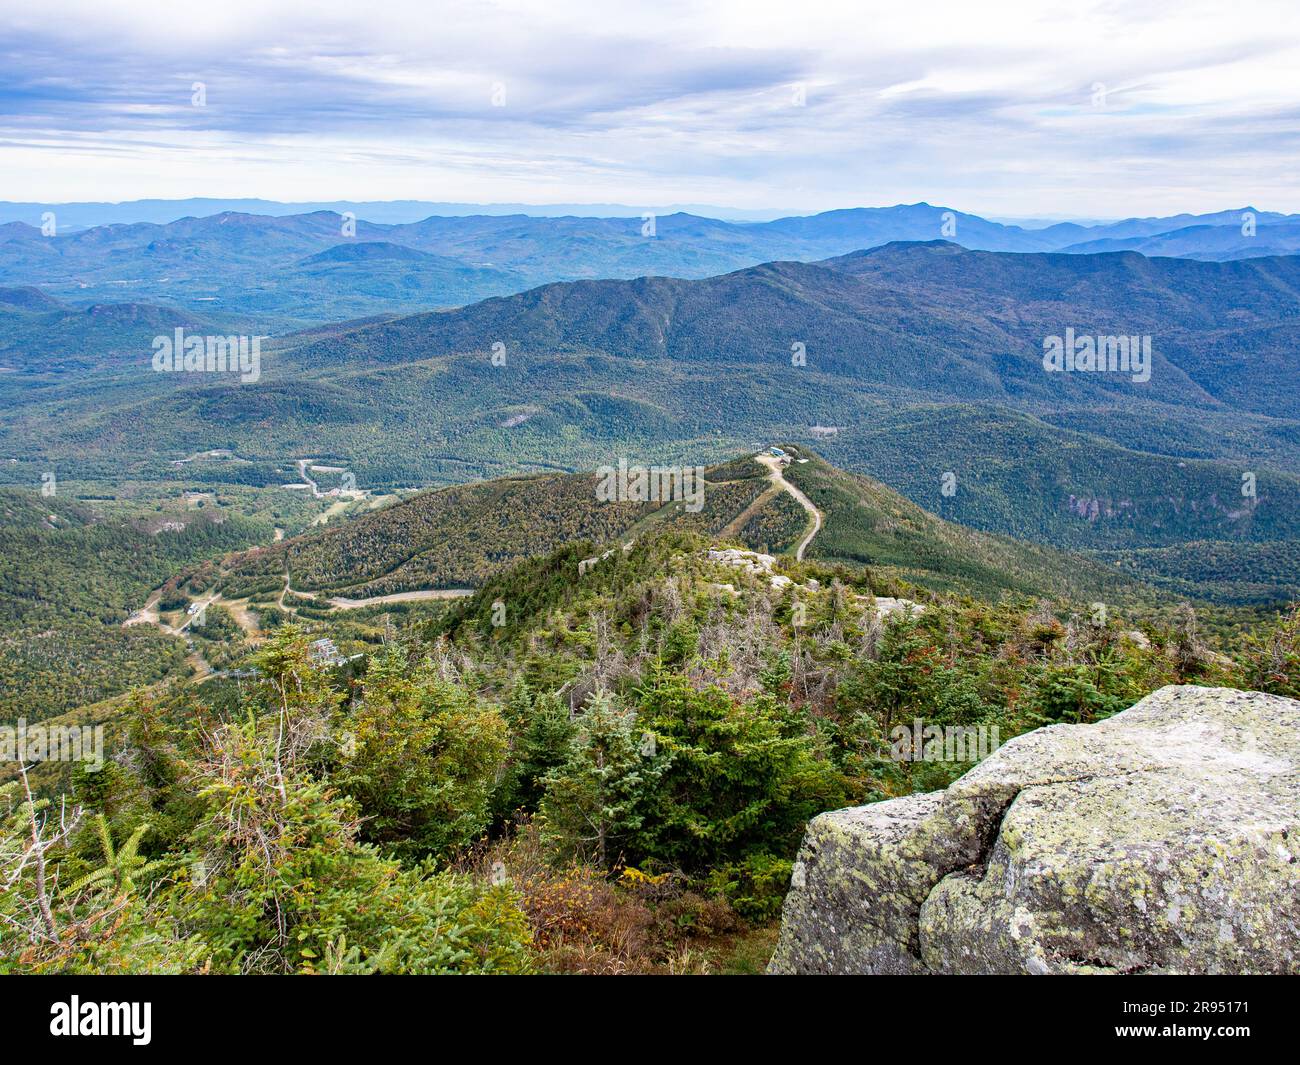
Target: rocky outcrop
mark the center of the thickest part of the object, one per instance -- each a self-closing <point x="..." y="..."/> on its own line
<point x="757" y="564"/>
<point x="585" y="565"/>
<point x="1165" y="839"/>
<point x="754" y="563"/>
<point x="887" y="607"/>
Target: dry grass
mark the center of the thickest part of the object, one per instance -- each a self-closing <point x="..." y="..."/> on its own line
<point x="585" y="923"/>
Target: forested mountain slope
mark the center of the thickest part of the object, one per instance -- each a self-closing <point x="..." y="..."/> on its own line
<point x="69" y="578"/>
<point x="459" y="537"/>
<point x="454" y="772"/>
<point x="907" y="363"/>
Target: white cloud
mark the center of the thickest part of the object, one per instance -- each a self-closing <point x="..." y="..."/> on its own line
<point x="989" y="110"/>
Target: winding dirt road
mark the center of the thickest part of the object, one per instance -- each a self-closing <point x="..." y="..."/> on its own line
<point x="342" y="602"/>
<point x="778" y="478"/>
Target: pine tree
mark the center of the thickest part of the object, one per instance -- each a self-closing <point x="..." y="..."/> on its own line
<point x="596" y="799"/>
<point x="123" y="866"/>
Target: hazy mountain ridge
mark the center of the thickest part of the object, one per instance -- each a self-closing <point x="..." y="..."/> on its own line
<point x="1211" y="242"/>
<point x="246" y="262"/>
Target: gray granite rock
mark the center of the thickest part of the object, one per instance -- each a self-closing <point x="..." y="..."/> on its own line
<point x="1164" y="839"/>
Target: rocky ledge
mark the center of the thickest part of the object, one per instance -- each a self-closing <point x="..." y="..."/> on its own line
<point x="1162" y="840"/>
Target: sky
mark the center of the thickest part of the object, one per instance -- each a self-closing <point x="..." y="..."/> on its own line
<point x="1024" y="110"/>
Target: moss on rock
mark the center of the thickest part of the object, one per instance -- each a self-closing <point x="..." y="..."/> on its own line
<point x="1164" y="839"/>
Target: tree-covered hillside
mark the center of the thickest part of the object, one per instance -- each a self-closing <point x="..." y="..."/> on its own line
<point x="906" y="363"/>
<point x="458" y="537"/>
<point x="602" y="773"/>
<point x="69" y="578"/>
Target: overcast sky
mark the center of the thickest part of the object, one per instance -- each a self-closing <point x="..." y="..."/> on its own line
<point x="1079" y="109"/>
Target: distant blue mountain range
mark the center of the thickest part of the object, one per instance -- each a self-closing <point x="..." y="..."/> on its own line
<point x="279" y="271"/>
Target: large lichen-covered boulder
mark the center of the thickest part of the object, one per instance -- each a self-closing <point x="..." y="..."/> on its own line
<point x="1165" y="839"/>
